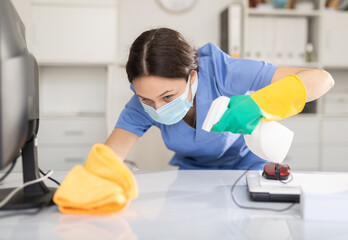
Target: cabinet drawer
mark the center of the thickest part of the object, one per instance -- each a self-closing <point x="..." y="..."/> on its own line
<point x="335" y="131"/>
<point x="336" y="103"/>
<point x="304" y="157"/>
<point x="306" y="130"/>
<point x="61" y="159"/>
<point x="335" y="158"/>
<point x="72" y="130"/>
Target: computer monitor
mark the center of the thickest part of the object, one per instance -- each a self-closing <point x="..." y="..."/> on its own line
<point x="19" y="110"/>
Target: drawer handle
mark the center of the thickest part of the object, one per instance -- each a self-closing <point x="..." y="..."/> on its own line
<point x="74" y="160"/>
<point x="74" y="133"/>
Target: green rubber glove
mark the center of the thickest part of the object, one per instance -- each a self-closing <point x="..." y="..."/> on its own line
<point x="277" y="101"/>
<point x="242" y="116"/>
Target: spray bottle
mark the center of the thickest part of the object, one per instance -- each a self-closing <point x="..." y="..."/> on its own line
<point x="269" y="140"/>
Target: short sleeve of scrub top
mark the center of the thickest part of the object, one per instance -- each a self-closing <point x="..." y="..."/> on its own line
<point x="218" y="75"/>
<point x="234" y="76"/>
<point x="133" y="118"/>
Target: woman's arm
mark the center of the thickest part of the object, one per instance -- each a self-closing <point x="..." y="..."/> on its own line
<point x="121" y="142"/>
<point x="317" y="82"/>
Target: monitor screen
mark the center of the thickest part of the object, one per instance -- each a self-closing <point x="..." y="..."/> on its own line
<point x="19" y="108"/>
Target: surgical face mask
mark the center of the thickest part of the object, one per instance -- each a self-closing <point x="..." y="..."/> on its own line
<point x="175" y="110"/>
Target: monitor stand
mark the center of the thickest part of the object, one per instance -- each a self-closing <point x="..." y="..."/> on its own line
<point x="33" y="196"/>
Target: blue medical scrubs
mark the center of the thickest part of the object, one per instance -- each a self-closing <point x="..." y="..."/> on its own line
<point x="218" y="75"/>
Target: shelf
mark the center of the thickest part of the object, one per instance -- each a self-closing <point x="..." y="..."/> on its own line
<point x="310" y="65"/>
<point x="301" y="117"/>
<point x="70" y="115"/>
<point x="334" y="115"/>
<point x="305" y="116"/>
<point x="73" y="63"/>
<point x="336" y="67"/>
<point x="64" y="146"/>
<point x="303" y="65"/>
<point x="88" y="3"/>
<point x="282" y="12"/>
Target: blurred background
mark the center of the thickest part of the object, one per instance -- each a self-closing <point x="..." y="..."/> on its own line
<point x="82" y="48"/>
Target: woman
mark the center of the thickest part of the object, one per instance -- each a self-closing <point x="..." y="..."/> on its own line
<point x="174" y="86"/>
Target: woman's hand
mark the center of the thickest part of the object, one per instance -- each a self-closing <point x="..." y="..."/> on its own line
<point x="242" y="116"/>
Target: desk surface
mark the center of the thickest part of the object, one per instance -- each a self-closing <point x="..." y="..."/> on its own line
<point x="173" y="205"/>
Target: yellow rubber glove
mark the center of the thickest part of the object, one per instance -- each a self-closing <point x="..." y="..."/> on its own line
<point x="281" y="99"/>
<point x="104" y="185"/>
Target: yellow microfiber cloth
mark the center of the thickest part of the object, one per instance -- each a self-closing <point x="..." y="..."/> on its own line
<point x="103" y="185"/>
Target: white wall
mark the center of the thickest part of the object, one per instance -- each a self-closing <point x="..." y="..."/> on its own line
<point x="199" y="25"/>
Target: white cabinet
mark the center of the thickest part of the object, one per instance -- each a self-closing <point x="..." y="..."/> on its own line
<point x="335" y="39"/>
<point x="72" y="114"/>
<point x="73" y="89"/>
<point x="335" y="130"/>
<point x="71" y="130"/>
<point x="78" y="32"/>
<point x="336" y="101"/>
<point x="335" y="158"/>
<point x="303" y="157"/>
<point x="304" y="151"/>
<point x="305" y="127"/>
<point x="335" y="151"/>
<point x="66" y="141"/>
<point x="62" y="158"/>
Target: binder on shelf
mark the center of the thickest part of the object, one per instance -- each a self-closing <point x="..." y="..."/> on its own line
<point x="290" y="39"/>
<point x="259" y="38"/>
<point x="299" y="38"/>
<point x="277" y="40"/>
<point x="231" y="21"/>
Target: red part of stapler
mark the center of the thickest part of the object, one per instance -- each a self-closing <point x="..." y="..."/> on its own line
<point x="276" y="171"/>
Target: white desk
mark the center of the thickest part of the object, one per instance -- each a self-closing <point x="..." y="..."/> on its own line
<point x="174" y="205"/>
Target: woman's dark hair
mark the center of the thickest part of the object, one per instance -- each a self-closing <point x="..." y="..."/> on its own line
<point x="161" y="52"/>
